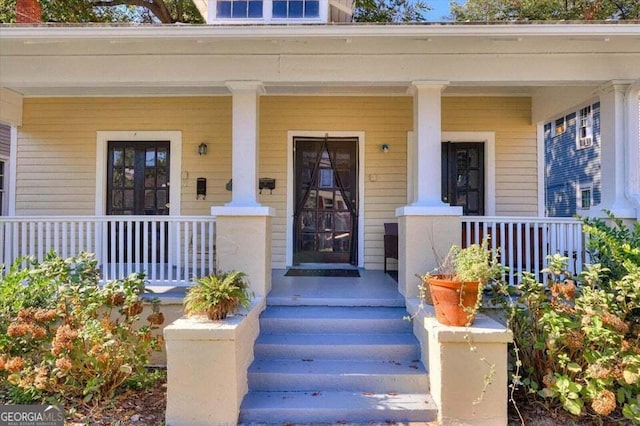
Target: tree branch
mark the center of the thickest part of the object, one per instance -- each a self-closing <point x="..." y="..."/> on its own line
<point x="157" y="7"/>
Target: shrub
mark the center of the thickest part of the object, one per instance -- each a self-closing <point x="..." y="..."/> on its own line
<point x="62" y="336"/>
<point x="577" y="341"/>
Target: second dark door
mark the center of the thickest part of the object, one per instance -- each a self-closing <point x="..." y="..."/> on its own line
<point x="463" y="176"/>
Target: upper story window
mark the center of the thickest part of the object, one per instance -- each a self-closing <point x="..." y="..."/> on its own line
<point x="560" y="126"/>
<point x="296" y="8"/>
<point x="239" y="9"/>
<point x="584" y="133"/>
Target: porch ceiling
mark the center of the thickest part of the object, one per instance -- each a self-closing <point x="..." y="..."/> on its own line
<point x="323" y="59"/>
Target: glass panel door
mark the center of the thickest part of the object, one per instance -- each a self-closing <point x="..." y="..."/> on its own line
<point x="138" y="184"/>
<point x="326" y="201"/>
<point x="463" y="176"/>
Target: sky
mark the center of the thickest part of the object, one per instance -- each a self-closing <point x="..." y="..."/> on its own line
<point x="439" y="8"/>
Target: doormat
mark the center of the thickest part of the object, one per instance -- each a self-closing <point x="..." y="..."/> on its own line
<point x="348" y="273"/>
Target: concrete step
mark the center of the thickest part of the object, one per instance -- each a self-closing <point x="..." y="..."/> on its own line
<point x="323" y="319"/>
<point x="354" y="346"/>
<point x="333" y="301"/>
<point x="335" y="407"/>
<point x="341" y="375"/>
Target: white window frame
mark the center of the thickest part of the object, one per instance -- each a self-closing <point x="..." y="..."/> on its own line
<point x="5" y="186"/>
<point x="175" y="164"/>
<point x="267" y="15"/>
<point x="579" y="189"/>
<point x="9" y="200"/>
<point x="290" y="189"/>
<point x="586" y="118"/>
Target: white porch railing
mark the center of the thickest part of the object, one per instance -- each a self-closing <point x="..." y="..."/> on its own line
<point x="170" y="250"/>
<point x="525" y="242"/>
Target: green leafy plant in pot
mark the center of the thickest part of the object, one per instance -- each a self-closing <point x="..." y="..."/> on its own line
<point x="218" y="295"/>
<point x="457" y="285"/>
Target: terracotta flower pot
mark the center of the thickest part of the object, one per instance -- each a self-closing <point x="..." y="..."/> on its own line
<point x="450" y="306"/>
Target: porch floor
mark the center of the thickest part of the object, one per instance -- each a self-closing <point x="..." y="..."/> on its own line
<point x="372" y="288"/>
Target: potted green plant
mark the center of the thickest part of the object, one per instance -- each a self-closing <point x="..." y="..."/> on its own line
<point x="456" y="286"/>
<point x="218" y="295"/>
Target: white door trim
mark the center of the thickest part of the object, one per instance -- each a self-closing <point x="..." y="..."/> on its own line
<point x="175" y="165"/>
<point x="489" y="140"/>
<point x="290" y="159"/>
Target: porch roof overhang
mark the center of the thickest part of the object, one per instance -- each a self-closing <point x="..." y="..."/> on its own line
<point x="476" y="59"/>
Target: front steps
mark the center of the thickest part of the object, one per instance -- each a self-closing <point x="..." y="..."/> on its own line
<point x="336" y="364"/>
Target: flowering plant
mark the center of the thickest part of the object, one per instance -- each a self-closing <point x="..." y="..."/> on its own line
<point x="63" y="336"/>
<point x="577" y="339"/>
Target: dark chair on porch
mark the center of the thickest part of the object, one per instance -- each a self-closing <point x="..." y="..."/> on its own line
<point x="390" y="242"/>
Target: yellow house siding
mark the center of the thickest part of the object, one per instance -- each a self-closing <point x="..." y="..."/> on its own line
<point x="57" y="150"/>
<point x="516" y="152"/>
<point x="56" y="156"/>
<point x="383" y="120"/>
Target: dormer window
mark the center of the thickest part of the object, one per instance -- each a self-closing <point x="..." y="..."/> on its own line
<point x="296" y="8"/>
<point x="239" y="9"/>
<point x="249" y="11"/>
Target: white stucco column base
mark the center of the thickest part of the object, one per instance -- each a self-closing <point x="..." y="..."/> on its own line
<point x="425" y="235"/>
<point x="460" y="361"/>
<point x="243" y="243"/>
<point x="207" y="364"/>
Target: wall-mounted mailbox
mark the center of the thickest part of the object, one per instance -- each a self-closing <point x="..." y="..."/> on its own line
<point x="201" y="188"/>
<point x="267" y="183"/>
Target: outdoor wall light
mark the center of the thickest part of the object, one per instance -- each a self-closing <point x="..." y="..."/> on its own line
<point x="203" y="148"/>
<point x="385" y="147"/>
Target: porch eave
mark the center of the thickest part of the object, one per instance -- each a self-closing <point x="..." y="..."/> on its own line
<point x="153" y="32"/>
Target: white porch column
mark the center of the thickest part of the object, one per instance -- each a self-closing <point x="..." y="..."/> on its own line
<point x="245" y="120"/>
<point x="243" y="226"/>
<point x="614" y="150"/>
<point x="632" y="138"/>
<point x="427" y="125"/>
<point x="427" y="226"/>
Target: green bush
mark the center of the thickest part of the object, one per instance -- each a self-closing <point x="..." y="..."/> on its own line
<point x="577" y="339"/>
<point x="63" y="336"/>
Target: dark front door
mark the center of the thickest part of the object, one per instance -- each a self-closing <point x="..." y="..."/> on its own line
<point x="138" y="184"/>
<point x="463" y="176"/>
<point x="326" y="200"/>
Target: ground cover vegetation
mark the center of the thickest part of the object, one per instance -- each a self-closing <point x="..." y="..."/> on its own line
<point x="577" y="339"/>
<point x="66" y="340"/>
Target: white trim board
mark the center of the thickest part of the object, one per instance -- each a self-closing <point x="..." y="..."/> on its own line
<point x="13" y="171"/>
<point x="489" y="140"/>
<point x="361" y="195"/>
<point x="175" y="165"/>
<point x="542" y="193"/>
